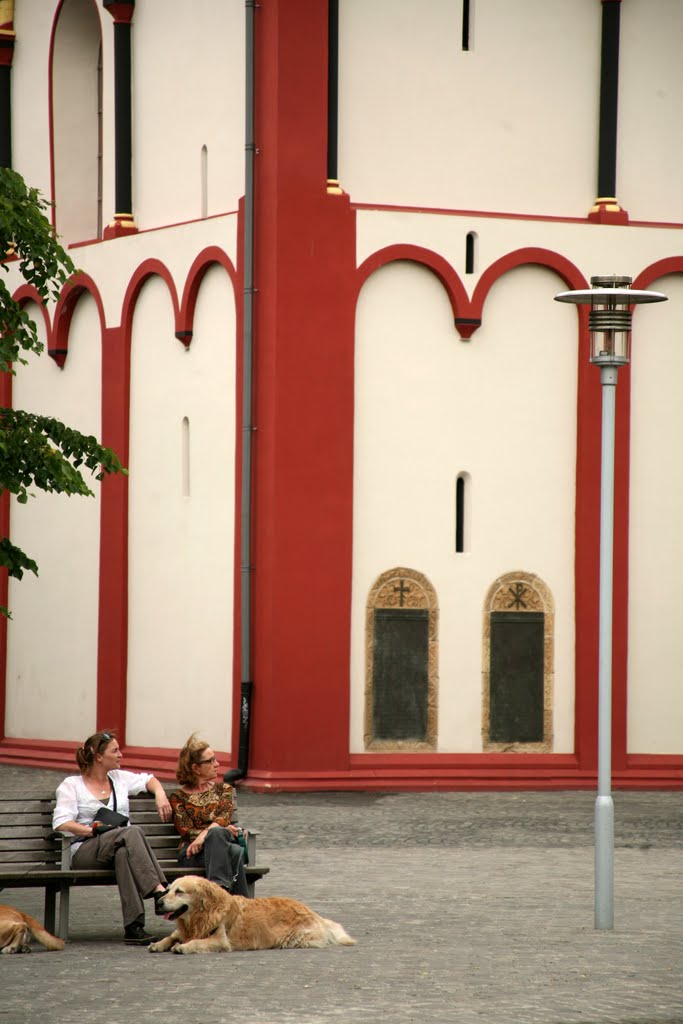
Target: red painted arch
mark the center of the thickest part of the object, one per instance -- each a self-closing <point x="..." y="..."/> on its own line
<point x="210" y="257"/>
<point x="81" y="285"/>
<point x="670" y="265"/>
<point x="563" y="267"/>
<point x="458" y="297"/>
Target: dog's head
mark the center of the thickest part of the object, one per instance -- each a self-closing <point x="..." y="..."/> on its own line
<point x="187" y="894"/>
<point x="177" y="901"/>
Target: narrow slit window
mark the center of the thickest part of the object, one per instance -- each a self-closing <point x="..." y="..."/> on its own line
<point x="185" y="456"/>
<point x="465" y="24"/>
<point x="100" y="142"/>
<point x="205" y="182"/>
<point x="470" y="243"/>
<point x="462" y="506"/>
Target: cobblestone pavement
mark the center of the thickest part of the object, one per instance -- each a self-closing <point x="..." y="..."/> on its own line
<point x="467" y="907"/>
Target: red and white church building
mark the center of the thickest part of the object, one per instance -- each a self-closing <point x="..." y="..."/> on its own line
<point x="318" y="244"/>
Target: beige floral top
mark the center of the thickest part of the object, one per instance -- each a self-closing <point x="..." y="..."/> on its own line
<point x="193" y="812"/>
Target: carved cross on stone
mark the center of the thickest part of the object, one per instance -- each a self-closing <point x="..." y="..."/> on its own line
<point x="402" y="590"/>
<point x="517" y="591"/>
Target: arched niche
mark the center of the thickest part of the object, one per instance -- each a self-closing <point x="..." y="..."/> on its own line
<point x="518" y="658"/>
<point x="401" y="681"/>
<point x="76" y="92"/>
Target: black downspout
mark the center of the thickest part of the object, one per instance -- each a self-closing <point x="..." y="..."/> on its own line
<point x="124" y="149"/>
<point x="332" y="96"/>
<point x="606" y="208"/>
<point x="246" y="684"/>
<point x="609" y="96"/>
<point x="123" y="223"/>
<point x="6" y="54"/>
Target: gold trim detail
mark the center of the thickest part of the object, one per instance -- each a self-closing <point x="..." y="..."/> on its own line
<point x="333" y="187"/>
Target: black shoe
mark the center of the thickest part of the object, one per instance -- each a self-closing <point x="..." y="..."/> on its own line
<point x="135" y="935"/>
<point x="156" y="896"/>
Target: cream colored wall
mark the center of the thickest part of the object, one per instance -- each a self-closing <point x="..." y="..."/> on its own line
<point x="188" y="91"/>
<point x="30" y="82"/>
<point x="650" y="142"/>
<point x="655" y="708"/>
<point x="508" y="125"/>
<point x="405" y="306"/>
<point x="181" y="546"/>
<point x="501" y="408"/>
<point x="75" y="120"/>
<point x="52" y="637"/>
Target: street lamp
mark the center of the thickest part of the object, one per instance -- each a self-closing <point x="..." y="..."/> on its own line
<point x="609" y="322"/>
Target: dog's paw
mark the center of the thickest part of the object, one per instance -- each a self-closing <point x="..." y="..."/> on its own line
<point x="156" y="947"/>
<point x="182" y="948"/>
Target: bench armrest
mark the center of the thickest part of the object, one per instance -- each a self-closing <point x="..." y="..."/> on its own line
<point x="63" y="841"/>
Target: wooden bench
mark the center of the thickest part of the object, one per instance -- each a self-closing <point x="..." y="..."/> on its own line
<point x="33" y="856"/>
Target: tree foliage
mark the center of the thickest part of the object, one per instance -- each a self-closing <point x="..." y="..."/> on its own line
<point x="35" y="451"/>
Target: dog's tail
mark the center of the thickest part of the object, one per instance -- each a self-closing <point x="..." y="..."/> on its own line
<point x="338" y="935"/>
<point x="44" y="938"/>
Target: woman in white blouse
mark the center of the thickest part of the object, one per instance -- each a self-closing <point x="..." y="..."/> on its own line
<point x="79" y="797"/>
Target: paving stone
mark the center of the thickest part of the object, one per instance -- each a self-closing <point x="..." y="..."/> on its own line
<point x="467" y="907"/>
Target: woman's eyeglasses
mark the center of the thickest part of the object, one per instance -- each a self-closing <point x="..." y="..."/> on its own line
<point x="208" y="760"/>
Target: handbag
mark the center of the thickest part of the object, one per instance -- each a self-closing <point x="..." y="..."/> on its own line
<point x="108" y="819"/>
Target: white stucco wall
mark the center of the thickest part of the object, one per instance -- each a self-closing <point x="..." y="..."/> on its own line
<point x="508" y="125"/>
<point x="655" y="707"/>
<point x="188" y="91"/>
<point x="649" y="141"/>
<point x="501" y="408"/>
<point x="52" y="638"/>
<point x="181" y="546"/>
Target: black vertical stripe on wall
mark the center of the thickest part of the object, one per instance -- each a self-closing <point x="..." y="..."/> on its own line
<point x="332" y="87"/>
<point x="122" y="116"/>
<point x="609" y="97"/>
<point x="465" y="24"/>
<point x="5" y="116"/>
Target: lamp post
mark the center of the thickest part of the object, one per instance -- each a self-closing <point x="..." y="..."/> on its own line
<point x="609" y="322"/>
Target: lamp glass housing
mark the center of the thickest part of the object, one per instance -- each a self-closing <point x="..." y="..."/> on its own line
<point x="609" y="318"/>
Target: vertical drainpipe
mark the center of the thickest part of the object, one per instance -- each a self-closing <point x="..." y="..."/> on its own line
<point x="246" y="683"/>
<point x="123" y="222"/>
<point x="606" y="208"/>
<point x="7" y="37"/>
<point x="332" y="96"/>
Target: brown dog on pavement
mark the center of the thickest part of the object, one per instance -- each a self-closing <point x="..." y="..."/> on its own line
<point x="210" y="920"/>
<point x="16" y="929"/>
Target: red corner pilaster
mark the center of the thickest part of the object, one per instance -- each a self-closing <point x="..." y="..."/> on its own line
<point x="112" y="657"/>
<point x="622" y="458"/>
<point x="303" y="407"/>
<point x="587" y="556"/>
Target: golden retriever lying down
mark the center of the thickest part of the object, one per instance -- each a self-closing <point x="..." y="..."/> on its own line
<point x="210" y="920"/>
<point x="16" y="930"/>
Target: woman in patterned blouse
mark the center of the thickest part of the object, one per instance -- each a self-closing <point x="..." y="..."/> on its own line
<point x="202" y="813"/>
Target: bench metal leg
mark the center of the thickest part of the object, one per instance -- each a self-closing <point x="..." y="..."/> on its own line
<point x="64" y="895"/>
<point x="49" y="915"/>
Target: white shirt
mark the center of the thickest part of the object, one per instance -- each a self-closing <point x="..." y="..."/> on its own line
<point x="76" y="803"/>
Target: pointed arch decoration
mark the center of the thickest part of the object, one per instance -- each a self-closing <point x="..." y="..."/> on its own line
<point x="518" y="665"/>
<point x="401" y="663"/>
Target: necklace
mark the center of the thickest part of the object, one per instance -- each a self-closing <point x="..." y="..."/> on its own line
<point x="104" y="790"/>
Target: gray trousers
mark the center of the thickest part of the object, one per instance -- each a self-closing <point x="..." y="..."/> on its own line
<point x="222" y="859"/>
<point x="137" y="870"/>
